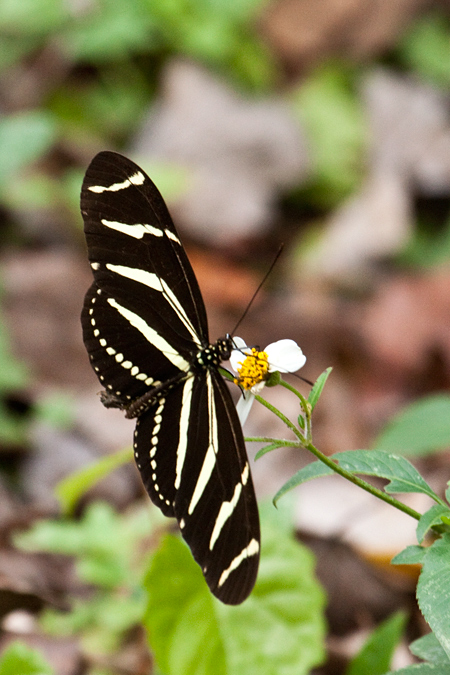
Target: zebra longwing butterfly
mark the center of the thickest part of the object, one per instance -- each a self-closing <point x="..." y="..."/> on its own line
<point x="146" y="333"/>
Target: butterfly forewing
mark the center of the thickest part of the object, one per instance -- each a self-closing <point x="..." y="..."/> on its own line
<point x="144" y="325"/>
<point x="127" y="224"/>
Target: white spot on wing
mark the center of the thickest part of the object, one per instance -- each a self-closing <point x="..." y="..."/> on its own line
<point x="210" y="457"/>
<point x="225" y="512"/>
<point x="183" y="429"/>
<point x="172" y="236"/>
<point x="151" y="335"/>
<point x="136" y="230"/>
<point x="137" y="178"/>
<point x="154" y="282"/>
<point x="251" y="549"/>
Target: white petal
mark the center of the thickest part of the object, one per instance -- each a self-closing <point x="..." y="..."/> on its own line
<point x="257" y="388"/>
<point x="239" y="343"/>
<point x="237" y="356"/>
<point x="243" y="406"/>
<point x="285" y="356"/>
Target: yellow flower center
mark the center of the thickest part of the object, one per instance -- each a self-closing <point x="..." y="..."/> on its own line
<point x="253" y="369"/>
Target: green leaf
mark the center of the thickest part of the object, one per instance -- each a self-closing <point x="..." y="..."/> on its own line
<point x="24" y="137"/>
<point x="218" y="34"/>
<point x="99" y="110"/>
<point x="72" y="488"/>
<point x="328" y="105"/>
<point x="31" y="17"/>
<point x="56" y="409"/>
<point x="13" y="427"/>
<point x="278" y="629"/>
<point x="402" y="475"/>
<point x="431" y="517"/>
<point x="183" y="629"/>
<point x="104" y="541"/>
<point x="269" y="448"/>
<point x="19" y="658"/>
<point x="426" y="48"/>
<point x="420" y="429"/>
<point x="13" y="373"/>
<point x="447" y="492"/>
<point x="411" y="555"/>
<point x="110" y="31"/>
<point x="433" y="590"/>
<point x="427" y="248"/>
<point x="312" y="470"/>
<point x="376" y="654"/>
<point x="429" y="648"/>
<point x="319" y="384"/>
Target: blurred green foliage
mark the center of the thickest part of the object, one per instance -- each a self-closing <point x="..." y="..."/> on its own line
<point x="425" y="49"/>
<point x="19" y="659"/>
<point x="13" y="378"/>
<point x="328" y="105"/>
<point x="107" y="548"/>
<point x="138" y="580"/>
<point x="375" y="656"/>
<point x="422" y="428"/>
<point x="111" y="54"/>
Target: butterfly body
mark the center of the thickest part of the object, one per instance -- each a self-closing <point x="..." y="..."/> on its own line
<point x="146" y="333"/>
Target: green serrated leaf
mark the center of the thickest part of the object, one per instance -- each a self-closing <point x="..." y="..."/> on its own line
<point x="420" y="429"/>
<point x="278" y="629"/>
<point x="313" y="470"/>
<point x="319" y="384"/>
<point x="19" y="658"/>
<point x="376" y="655"/>
<point x="429" y="648"/>
<point x="411" y="555"/>
<point x="434" y="516"/>
<point x="72" y="488"/>
<point x="433" y="590"/>
<point x="402" y="475"/>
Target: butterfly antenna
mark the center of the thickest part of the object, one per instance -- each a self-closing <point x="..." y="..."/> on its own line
<point x="267" y="274"/>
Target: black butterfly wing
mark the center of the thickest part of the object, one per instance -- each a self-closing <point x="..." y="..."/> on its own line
<point x="142" y="279"/>
<point x="144" y="323"/>
<point x="196" y="469"/>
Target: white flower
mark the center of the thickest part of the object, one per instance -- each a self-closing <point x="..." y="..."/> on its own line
<point x="253" y="367"/>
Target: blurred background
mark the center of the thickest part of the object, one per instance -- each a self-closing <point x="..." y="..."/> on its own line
<point x="322" y="125"/>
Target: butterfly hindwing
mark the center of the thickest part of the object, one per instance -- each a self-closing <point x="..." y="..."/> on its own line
<point x="188" y="476"/>
<point x="145" y="329"/>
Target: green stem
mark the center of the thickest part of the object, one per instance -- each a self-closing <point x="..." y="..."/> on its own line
<point x="376" y="492"/>
<point x="282" y="417"/>
<point x="306" y="407"/>
<point x="285" y="442"/>
<point x="306" y="443"/>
